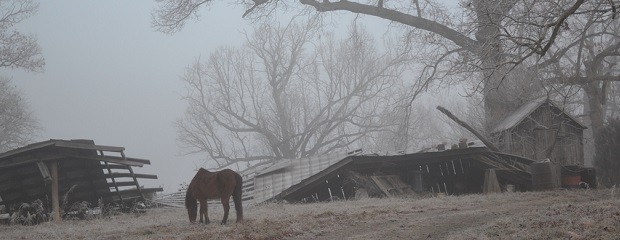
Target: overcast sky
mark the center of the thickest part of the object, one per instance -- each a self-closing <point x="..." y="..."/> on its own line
<point x="111" y="78"/>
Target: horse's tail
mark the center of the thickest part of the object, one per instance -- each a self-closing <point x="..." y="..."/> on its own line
<point x="191" y="204"/>
<point x="237" y="193"/>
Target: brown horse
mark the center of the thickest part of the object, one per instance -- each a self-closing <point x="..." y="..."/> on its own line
<point x="213" y="185"/>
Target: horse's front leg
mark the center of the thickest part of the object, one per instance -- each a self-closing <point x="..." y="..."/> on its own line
<point x="204" y="211"/>
<point x="226" y="205"/>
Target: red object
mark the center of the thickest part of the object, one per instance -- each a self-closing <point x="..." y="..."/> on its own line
<point x="571" y="181"/>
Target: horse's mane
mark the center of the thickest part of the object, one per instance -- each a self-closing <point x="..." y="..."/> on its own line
<point x="201" y="172"/>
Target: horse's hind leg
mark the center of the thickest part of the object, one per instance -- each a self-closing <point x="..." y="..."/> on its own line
<point x="226" y="205"/>
<point x="204" y="210"/>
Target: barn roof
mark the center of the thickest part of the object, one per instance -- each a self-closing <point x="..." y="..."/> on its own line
<point x="283" y="174"/>
<point x="512" y="167"/>
<point x="516" y="117"/>
<point x="90" y="172"/>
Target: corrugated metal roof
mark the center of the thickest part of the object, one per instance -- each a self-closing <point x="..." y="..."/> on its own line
<point x="524" y="111"/>
<point x="270" y="182"/>
<point x="519" y="115"/>
<point x="284" y="163"/>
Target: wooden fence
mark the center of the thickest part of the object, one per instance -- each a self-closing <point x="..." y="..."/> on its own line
<point x="177" y="199"/>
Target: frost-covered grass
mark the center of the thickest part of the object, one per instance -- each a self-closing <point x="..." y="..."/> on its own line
<point x="576" y="214"/>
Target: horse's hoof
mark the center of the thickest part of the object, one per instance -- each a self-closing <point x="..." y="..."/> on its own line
<point x="223" y="223"/>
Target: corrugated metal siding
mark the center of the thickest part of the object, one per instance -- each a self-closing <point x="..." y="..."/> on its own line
<point x="517" y="116"/>
<point x="270" y="183"/>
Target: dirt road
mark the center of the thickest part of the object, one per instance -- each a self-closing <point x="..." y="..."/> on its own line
<point x="564" y="214"/>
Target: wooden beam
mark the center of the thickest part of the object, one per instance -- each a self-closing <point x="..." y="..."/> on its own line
<point x="21" y="160"/>
<point x="118" y="160"/>
<point x="129" y="175"/>
<point x="486" y="142"/>
<point x="26" y="149"/>
<point x="114" y="166"/>
<point x="80" y="145"/>
<point x="122" y="184"/>
<point x="55" y="197"/>
<point x="10" y="162"/>
<point x="45" y="173"/>
<point x="135" y="179"/>
<point x="136" y="191"/>
<point x="113" y="180"/>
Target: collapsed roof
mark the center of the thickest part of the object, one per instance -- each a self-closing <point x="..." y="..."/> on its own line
<point x="327" y="176"/>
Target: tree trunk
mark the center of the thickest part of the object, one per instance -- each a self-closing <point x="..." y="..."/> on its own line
<point x="489" y="14"/>
<point x="595" y="117"/>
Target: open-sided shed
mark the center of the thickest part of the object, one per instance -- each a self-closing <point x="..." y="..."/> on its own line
<point x="50" y="169"/>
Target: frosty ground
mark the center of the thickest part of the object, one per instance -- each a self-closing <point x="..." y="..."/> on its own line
<point x="562" y="214"/>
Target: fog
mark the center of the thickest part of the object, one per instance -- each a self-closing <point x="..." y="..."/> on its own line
<point x="111" y="78"/>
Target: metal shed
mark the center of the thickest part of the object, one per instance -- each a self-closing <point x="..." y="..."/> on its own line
<point x="49" y="169"/>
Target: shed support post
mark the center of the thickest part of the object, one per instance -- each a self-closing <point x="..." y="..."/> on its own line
<point x="55" y="193"/>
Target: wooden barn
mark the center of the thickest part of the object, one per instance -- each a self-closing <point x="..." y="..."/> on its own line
<point x="468" y="168"/>
<point x="449" y="172"/>
<point x="78" y="169"/>
<point x="540" y="130"/>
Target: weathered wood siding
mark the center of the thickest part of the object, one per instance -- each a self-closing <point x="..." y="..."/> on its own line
<point x="546" y="128"/>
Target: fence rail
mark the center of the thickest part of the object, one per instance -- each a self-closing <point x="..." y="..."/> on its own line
<point x="177" y="199"/>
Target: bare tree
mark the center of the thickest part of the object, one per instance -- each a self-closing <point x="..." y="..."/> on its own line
<point x="16" y="49"/>
<point x="581" y="67"/>
<point x="17" y="124"/>
<point x="286" y="94"/>
<point x="493" y="38"/>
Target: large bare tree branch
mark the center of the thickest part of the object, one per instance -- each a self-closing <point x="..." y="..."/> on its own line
<point x="275" y="99"/>
<point x="397" y="16"/>
<point x="171" y="16"/>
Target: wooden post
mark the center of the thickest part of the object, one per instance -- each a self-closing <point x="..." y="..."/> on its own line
<point x="55" y="197"/>
<point x="491" y="185"/>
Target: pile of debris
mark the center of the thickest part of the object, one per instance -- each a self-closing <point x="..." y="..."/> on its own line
<point x="38" y="211"/>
